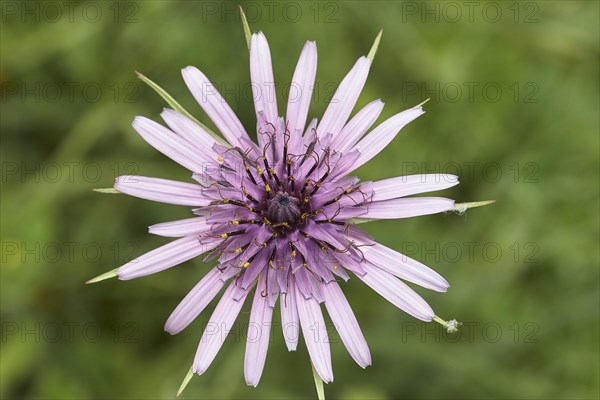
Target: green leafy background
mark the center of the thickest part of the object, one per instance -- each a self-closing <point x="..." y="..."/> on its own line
<point x="531" y="313"/>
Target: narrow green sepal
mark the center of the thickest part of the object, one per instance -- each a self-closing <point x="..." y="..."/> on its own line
<point x="318" y="384"/>
<point x="178" y="107"/>
<point x="373" y="50"/>
<point x="360" y="220"/>
<point x="462" y="207"/>
<point x="104" y="276"/>
<point x="186" y="380"/>
<point x="423" y="102"/>
<point x="247" y="31"/>
<point x="107" y="190"/>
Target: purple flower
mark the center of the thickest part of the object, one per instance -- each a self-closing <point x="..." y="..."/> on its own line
<point x="281" y="214"/>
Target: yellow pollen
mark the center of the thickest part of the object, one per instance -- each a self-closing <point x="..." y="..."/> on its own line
<point x="246" y="264"/>
<point x="306" y="199"/>
<point x="224" y="235"/>
<point x="238" y="250"/>
<point x="235" y="222"/>
<point x="259" y="169"/>
<point x="220" y="159"/>
<point x="293" y="253"/>
<point x="268" y="188"/>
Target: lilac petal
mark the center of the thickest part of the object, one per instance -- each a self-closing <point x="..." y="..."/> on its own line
<point x="168" y="143"/>
<point x="407" y="207"/>
<point x="180" y="228"/>
<point x="258" y="344"/>
<point x="345" y="322"/>
<point x="163" y="190"/>
<point x="357" y="234"/>
<point x="195" y="302"/>
<point x="263" y="83"/>
<point x="301" y="88"/>
<point x="404" y="267"/>
<point x="193" y="134"/>
<point x="357" y="126"/>
<point x="315" y="335"/>
<point x="325" y="233"/>
<point x="310" y="132"/>
<point x="219" y="325"/>
<point x="334" y="212"/>
<point x="161" y="258"/>
<point x="381" y="136"/>
<point x="289" y="319"/>
<point x="344" y="99"/>
<point x="273" y="287"/>
<point x="408" y="185"/>
<point x="257" y="265"/>
<point x="397" y="292"/>
<point x="214" y="105"/>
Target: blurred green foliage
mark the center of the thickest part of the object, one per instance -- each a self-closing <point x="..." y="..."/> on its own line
<point x="531" y="313"/>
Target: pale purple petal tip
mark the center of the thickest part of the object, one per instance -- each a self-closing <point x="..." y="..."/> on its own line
<point x="345" y="322"/>
<point x="315" y="335"/>
<point x="259" y="330"/>
<point x="219" y="325"/>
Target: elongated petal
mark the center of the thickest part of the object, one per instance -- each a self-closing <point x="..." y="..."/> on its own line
<point x="263" y="83"/>
<point x="195" y="302"/>
<point x="168" y="143"/>
<point x="163" y="190"/>
<point x="198" y="138"/>
<point x="161" y="258"/>
<point x="381" y="136"/>
<point x="397" y="292"/>
<point x="219" y="325"/>
<point x="301" y="88"/>
<point x="214" y="105"/>
<point x="344" y="99"/>
<point x="407" y="207"/>
<point x="289" y="319"/>
<point x="357" y="126"/>
<point x="315" y="335"/>
<point x="180" y="228"/>
<point x="404" y="267"/>
<point x="259" y="331"/>
<point x="408" y="185"/>
<point x="345" y="322"/>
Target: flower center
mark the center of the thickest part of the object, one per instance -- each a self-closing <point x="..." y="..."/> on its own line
<point x="283" y="208"/>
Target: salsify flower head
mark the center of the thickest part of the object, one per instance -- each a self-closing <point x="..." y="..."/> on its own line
<point x="280" y="214"/>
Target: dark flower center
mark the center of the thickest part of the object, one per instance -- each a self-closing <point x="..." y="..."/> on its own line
<point x="283" y="208"/>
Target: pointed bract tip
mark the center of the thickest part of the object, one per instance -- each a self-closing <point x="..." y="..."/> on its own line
<point x="186" y="380"/>
<point x="373" y="51"/>
<point x="247" y="32"/>
<point x="104" y="276"/>
<point x="462" y="207"/>
<point x="422" y="103"/>
<point x="107" y="190"/>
